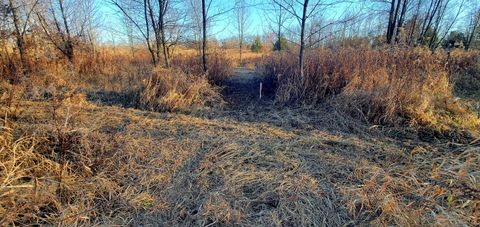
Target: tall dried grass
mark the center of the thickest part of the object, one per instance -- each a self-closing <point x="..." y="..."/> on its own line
<point x="220" y="66"/>
<point x="20" y="191"/>
<point x="172" y="90"/>
<point x="115" y="77"/>
<point x="249" y="59"/>
<point x="385" y="86"/>
<point x="54" y="173"/>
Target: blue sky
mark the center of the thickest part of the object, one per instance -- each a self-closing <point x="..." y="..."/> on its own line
<point x="224" y="27"/>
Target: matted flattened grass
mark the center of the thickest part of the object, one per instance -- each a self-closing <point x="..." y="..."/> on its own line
<point x="110" y="165"/>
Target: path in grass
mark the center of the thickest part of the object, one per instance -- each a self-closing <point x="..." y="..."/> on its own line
<point x="243" y="89"/>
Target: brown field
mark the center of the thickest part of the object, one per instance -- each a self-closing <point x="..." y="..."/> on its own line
<point x="370" y="137"/>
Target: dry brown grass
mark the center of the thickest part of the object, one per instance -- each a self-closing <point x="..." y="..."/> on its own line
<point x="21" y="193"/>
<point x="70" y="156"/>
<point x="427" y="188"/>
<point x="114" y="77"/>
<point x="173" y="90"/>
<point x="249" y="59"/>
<point x="220" y="66"/>
<point x="399" y="86"/>
<point x="109" y="165"/>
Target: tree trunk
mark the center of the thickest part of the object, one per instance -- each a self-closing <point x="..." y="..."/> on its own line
<point x="394" y="22"/>
<point x="165" y="51"/>
<point x="411" y="36"/>
<point x="19" y="36"/>
<point x="279" y="25"/>
<point x="147" y="35"/>
<point x="429" y="19"/>
<point x="302" y="38"/>
<point x="391" y="22"/>
<point x="241" y="47"/>
<point x="68" y="45"/>
<point x="204" y="47"/>
<point x="401" y="19"/>
<point x="474" y="25"/>
<point x="155" y="29"/>
<point x="161" y="25"/>
<point x="433" y="42"/>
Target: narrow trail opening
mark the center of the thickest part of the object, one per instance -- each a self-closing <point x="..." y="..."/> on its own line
<point x="242" y="90"/>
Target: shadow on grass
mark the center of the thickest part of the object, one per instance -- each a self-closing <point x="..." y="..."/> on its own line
<point x="125" y="99"/>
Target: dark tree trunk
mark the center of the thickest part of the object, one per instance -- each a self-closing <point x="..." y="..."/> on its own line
<point x="302" y="39"/>
<point x="147" y="35"/>
<point x="432" y="11"/>
<point x="155" y="30"/>
<point x="204" y="47"/>
<point x="68" y="44"/>
<point x="163" y="4"/>
<point x="411" y="36"/>
<point x="401" y="20"/>
<point x="19" y="37"/>
<point x="391" y="22"/>
<point x="473" y="30"/>
<point x="394" y="22"/>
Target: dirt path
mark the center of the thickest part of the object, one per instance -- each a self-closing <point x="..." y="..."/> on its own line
<point x="242" y="89"/>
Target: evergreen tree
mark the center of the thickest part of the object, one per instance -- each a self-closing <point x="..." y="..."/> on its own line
<point x="281" y="44"/>
<point x="257" y="45"/>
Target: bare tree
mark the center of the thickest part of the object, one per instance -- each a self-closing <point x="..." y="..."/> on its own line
<point x="241" y="14"/>
<point x="86" y="22"/>
<point x="208" y="16"/>
<point x="473" y="25"/>
<point x="130" y="35"/>
<point x="401" y="19"/>
<point x="18" y="33"/>
<point x="396" y="19"/>
<point x="160" y="17"/>
<point x="278" y="17"/>
<point x="55" y="22"/>
<point x="444" y="22"/>
<point x="392" y="18"/>
<point x="204" y="36"/>
<point x="160" y="27"/>
<point x="427" y="22"/>
<point x="302" y="36"/>
<point x="194" y="13"/>
<point x="303" y="11"/>
<point x="21" y="27"/>
<point x="413" y="25"/>
<point x="431" y="15"/>
<point x="302" y="17"/>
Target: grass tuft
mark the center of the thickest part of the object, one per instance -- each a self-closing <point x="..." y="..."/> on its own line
<point x="171" y="90"/>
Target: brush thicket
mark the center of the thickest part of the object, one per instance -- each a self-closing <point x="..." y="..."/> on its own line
<point x="385" y="86"/>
